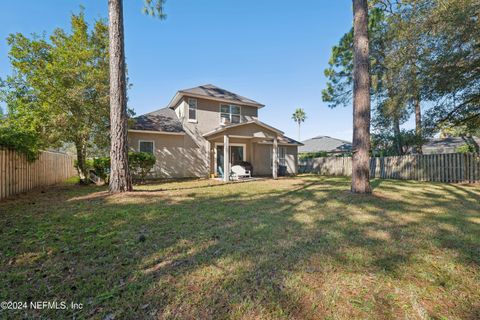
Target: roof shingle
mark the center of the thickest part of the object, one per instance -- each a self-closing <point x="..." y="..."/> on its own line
<point x="211" y="91"/>
<point x="325" y="144"/>
<point x="160" y="120"/>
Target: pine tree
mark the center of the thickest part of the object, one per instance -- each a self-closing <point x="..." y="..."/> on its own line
<point x="120" y="178"/>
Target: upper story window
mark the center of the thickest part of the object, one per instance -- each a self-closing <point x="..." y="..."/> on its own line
<point x="229" y="112"/>
<point x="145" y="146"/>
<point x="192" y="109"/>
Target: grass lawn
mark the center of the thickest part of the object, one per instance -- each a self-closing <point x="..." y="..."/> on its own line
<point x="300" y="248"/>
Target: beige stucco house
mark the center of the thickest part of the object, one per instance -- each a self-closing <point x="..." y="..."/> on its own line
<point x="189" y="135"/>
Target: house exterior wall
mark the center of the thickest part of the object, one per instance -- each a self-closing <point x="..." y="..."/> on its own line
<point x="208" y="114"/>
<point x="291" y="158"/>
<point x="180" y="109"/>
<point x="178" y="156"/>
<point x="261" y="162"/>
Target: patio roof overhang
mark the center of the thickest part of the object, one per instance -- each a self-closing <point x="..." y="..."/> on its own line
<point x="264" y="131"/>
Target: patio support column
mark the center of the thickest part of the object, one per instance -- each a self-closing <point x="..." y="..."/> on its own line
<point x="275" y="158"/>
<point x="208" y="151"/>
<point x="226" y="158"/>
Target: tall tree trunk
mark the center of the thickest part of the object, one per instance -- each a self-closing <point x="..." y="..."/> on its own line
<point x="397" y="135"/>
<point x="418" y="123"/>
<point x="299" y="131"/>
<point x="81" y="162"/>
<point x="361" y="100"/>
<point x="120" y="179"/>
<point x="416" y="104"/>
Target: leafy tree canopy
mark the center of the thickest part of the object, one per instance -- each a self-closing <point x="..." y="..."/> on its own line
<point x="420" y="51"/>
<point x="59" y="88"/>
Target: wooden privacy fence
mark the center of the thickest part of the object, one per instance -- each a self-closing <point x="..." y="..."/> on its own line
<point x="453" y="167"/>
<point x="19" y="175"/>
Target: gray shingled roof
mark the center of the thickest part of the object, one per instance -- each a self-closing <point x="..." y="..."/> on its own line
<point x="209" y="90"/>
<point x="449" y="142"/>
<point x="160" y="120"/>
<point x="447" y="145"/>
<point x="285" y="139"/>
<point x="325" y="144"/>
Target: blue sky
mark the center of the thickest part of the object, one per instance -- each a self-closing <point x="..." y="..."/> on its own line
<point x="271" y="51"/>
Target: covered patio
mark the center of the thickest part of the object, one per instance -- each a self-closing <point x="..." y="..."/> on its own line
<point x="253" y="142"/>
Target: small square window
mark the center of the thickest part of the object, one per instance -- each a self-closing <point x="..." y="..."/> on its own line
<point x="146" y="146"/>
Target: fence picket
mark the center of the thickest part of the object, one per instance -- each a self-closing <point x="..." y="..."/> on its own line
<point x="470" y="168"/>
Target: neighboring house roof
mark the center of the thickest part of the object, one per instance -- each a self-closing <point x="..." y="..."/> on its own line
<point x="213" y="93"/>
<point x="165" y="120"/>
<point x="325" y="144"/>
<point x="446" y="145"/>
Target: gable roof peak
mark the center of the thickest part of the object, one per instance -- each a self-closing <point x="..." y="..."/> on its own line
<point x="210" y="91"/>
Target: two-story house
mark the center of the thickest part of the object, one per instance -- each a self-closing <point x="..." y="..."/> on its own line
<point x="190" y="137"/>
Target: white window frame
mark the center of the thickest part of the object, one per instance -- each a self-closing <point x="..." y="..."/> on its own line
<point x="230" y="112"/>
<point x="153" y="145"/>
<point x="280" y="159"/>
<point x="188" y="109"/>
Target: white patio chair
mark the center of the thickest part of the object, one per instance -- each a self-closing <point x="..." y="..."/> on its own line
<point x="239" y="172"/>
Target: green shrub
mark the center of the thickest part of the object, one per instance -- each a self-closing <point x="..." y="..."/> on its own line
<point x="465" y="148"/>
<point x="140" y="163"/>
<point x="22" y="141"/>
<point x="88" y="164"/>
<point x="102" y="167"/>
<point x="87" y="167"/>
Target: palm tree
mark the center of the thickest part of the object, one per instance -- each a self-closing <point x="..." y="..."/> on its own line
<point x="120" y="179"/>
<point x="299" y="116"/>
<point x="361" y="100"/>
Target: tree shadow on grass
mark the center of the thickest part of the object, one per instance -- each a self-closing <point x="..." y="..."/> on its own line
<point x="233" y="251"/>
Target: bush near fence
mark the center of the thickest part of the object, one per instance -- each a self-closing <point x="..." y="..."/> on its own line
<point x="17" y="174"/>
<point x="452" y="167"/>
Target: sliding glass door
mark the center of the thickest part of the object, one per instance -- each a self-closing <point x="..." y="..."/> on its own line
<point x="237" y="155"/>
